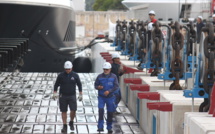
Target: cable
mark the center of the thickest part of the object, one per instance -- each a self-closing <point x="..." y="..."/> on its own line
<point x="92" y="43"/>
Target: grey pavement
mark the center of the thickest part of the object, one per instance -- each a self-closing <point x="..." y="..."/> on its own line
<point x="26" y="106"/>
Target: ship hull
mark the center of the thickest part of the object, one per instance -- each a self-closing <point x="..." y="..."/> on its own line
<point x="48" y="29"/>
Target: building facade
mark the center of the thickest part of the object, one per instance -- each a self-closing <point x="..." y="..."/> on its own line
<point x="95" y="22"/>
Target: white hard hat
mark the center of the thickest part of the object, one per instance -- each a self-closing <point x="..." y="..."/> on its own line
<point x="150" y="26"/>
<point x="115" y="55"/>
<point x="200" y="17"/>
<point x="106" y="65"/>
<point x="213" y="15"/>
<point x="68" y="65"/>
<point x="152" y="12"/>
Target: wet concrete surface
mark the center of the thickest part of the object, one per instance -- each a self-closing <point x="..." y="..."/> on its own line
<point x="26" y="106"/>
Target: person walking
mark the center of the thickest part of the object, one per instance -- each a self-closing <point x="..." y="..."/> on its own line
<point x="106" y="83"/>
<point x="117" y="69"/>
<point x="199" y="26"/>
<point x="67" y="82"/>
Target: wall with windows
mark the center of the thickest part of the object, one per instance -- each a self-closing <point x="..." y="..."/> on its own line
<point x="98" y="22"/>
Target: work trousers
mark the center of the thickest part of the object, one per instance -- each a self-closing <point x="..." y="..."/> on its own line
<point x="110" y="104"/>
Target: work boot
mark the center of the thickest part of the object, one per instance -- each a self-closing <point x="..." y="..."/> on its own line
<point x="71" y="125"/>
<point x="64" y="129"/>
<point x="100" y="130"/>
<point x="110" y="131"/>
<point x="117" y="112"/>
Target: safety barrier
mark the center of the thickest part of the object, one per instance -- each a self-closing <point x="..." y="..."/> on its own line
<point x="133" y="101"/>
<point x="145" y="116"/>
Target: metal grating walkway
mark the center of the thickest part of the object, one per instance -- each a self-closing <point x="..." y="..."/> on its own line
<point x="26" y="106"/>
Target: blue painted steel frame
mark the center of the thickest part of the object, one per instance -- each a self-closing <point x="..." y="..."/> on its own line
<point x="196" y="90"/>
<point x="154" y="122"/>
<point x="138" y="109"/>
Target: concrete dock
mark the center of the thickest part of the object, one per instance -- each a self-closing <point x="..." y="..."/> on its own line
<point x="26" y="106"/>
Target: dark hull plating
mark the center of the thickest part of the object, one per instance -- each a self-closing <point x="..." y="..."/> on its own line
<point x="48" y="29"/>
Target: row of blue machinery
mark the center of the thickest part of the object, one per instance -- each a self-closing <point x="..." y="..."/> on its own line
<point x="172" y="52"/>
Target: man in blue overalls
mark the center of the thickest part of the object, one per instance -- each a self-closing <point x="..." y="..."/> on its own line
<point x="106" y="84"/>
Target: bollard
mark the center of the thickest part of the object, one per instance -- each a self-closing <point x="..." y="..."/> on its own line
<point x="140" y="87"/>
<point x="149" y="96"/>
<point x="133" y="80"/>
<point x="130" y="81"/>
<point x="145" y="114"/>
<point x="133" y="103"/>
<point x="159" y="106"/>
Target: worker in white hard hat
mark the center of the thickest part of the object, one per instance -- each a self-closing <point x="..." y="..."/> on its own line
<point x="150" y="24"/>
<point x="150" y="28"/>
<point x="152" y="16"/>
<point x="117" y="67"/>
<point x="118" y="70"/>
<point x="199" y="26"/>
<point x="67" y="82"/>
<point x="213" y="16"/>
<point x="152" y="19"/>
<point x="106" y="83"/>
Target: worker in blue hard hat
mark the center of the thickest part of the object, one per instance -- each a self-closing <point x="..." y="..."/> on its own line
<point x="106" y="83"/>
<point x="67" y="82"/>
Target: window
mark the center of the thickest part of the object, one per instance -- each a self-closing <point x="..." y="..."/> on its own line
<point x="97" y="18"/>
<point x="185" y="11"/>
<point x="106" y="18"/>
<point x="87" y="18"/>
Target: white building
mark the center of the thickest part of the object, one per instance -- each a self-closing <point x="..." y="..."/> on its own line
<point x="168" y="9"/>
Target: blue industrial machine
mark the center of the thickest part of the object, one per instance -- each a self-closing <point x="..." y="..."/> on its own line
<point x="131" y="38"/>
<point x="155" y="45"/>
<point x="204" y="74"/>
<point x="117" y="38"/>
<point x="175" y="67"/>
<point x="167" y="50"/>
<point x="134" y="54"/>
<point x="124" y="42"/>
<point x="141" y="49"/>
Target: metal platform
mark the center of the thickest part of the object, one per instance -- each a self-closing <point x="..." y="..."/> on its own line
<point x="26" y="106"/>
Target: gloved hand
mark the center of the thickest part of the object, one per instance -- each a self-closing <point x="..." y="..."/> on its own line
<point x="55" y="96"/>
<point x="80" y="97"/>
